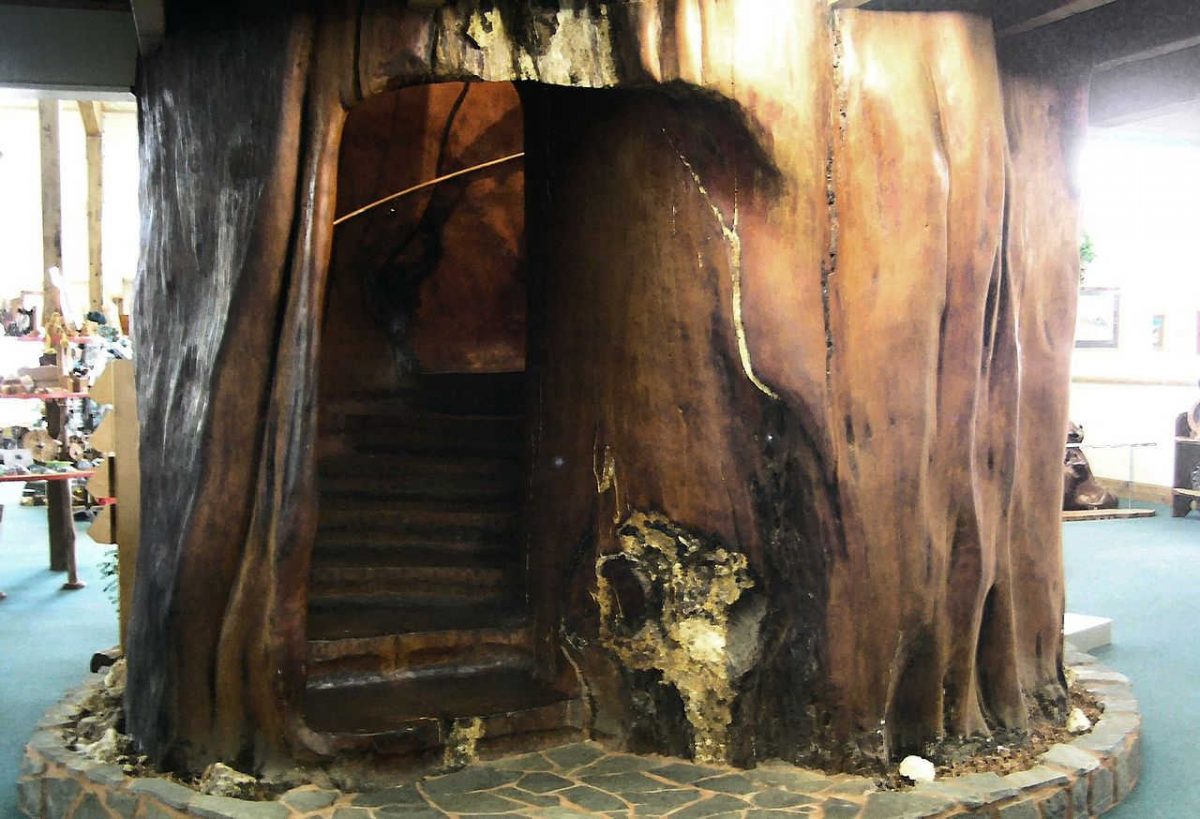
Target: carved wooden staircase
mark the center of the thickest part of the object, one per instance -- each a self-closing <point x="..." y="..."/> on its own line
<point x="417" y="618"/>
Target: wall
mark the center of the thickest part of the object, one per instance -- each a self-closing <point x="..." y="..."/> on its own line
<point x="20" y="199"/>
<point x="1141" y="199"/>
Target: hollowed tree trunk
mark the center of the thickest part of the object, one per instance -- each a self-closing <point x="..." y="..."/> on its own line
<point x="800" y="308"/>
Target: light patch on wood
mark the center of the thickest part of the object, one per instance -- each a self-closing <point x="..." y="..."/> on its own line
<point x="698" y="580"/>
<point x="733" y="241"/>
<point x="461" y="742"/>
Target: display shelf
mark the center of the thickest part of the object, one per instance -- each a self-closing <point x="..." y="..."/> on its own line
<point x="54" y="395"/>
<point x="1187" y="462"/>
<point x="38" y="477"/>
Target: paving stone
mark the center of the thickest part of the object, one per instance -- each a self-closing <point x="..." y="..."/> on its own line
<point x="573" y="756"/>
<point x="1072" y="656"/>
<point x="1073" y="759"/>
<point x="421" y="811"/>
<point x="1019" y="810"/>
<point x="618" y="763"/>
<point x="352" y="813"/>
<point x="61" y="793"/>
<point x="781" y="775"/>
<point x="1100" y="674"/>
<point x="685" y="773"/>
<point x="525" y="763"/>
<point x="849" y="786"/>
<point x="566" y="813"/>
<point x="1056" y="805"/>
<point x="224" y="807"/>
<point x="1100" y="791"/>
<point x="540" y="782"/>
<point x="153" y="811"/>
<point x="171" y="794"/>
<point x="29" y="796"/>
<point x="120" y="803"/>
<point x="841" y="809"/>
<point x="1036" y="778"/>
<point x="657" y="803"/>
<point x="904" y="805"/>
<point x="592" y="799"/>
<point x="537" y="800"/>
<point x="473" y="802"/>
<point x="763" y="813"/>
<point x="44" y="740"/>
<point x="81" y="764"/>
<point x="618" y="783"/>
<point x="110" y="776"/>
<point x="474" y="778"/>
<point x="32" y="764"/>
<point x="1110" y="733"/>
<point x="1121" y="705"/>
<point x="735" y="783"/>
<point x="90" y="807"/>
<point x="1079" y="796"/>
<point x="713" y="806"/>
<point x="306" y="799"/>
<point x="406" y="795"/>
<point x="1128" y="766"/>
<point x="970" y="790"/>
<point x="779" y="798"/>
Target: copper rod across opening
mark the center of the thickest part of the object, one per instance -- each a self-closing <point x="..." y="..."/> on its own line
<point x="427" y="183"/>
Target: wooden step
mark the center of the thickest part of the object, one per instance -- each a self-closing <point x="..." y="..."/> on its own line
<point x="394" y="486"/>
<point x="467" y="580"/>
<point x="408" y="716"/>
<point x="371" y="465"/>
<point x="335" y="617"/>
<point x="362" y="659"/>
<point x="498" y="553"/>
<point x="475" y="394"/>
<point x="381" y="515"/>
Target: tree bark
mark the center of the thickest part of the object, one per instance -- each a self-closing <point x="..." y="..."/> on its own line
<point x="800" y="305"/>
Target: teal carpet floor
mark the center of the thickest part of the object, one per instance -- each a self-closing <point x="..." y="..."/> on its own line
<point x="1143" y="573"/>
<point x="47" y="635"/>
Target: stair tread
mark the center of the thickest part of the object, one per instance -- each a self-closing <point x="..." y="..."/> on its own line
<point x="416" y="558"/>
<point x="382" y="705"/>
<point x="338" y="617"/>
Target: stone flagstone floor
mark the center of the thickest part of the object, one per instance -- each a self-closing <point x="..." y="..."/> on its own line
<point x="585" y="780"/>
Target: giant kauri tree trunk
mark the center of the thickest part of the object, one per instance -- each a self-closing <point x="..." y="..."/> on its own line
<point x="801" y="299"/>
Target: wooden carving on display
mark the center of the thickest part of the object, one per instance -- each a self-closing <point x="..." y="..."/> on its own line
<point x="1080" y="489"/>
<point x="801" y="290"/>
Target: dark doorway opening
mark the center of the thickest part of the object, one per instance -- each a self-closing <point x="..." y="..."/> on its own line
<point x="418" y="618"/>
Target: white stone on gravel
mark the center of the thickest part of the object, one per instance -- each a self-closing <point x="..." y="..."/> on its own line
<point x="917" y="769"/>
<point x="1077" y="721"/>
<point x="221" y="780"/>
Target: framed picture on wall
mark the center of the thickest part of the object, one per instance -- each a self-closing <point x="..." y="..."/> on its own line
<point x="1158" y="332"/>
<point x="1098" y="319"/>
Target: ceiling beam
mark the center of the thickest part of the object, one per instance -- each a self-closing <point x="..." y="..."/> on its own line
<point x="1144" y="88"/>
<point x="1017" y="18"/>
<point x="71" y="52"/>
<point x="89" y="112"/>
<point x="150" y="20"/>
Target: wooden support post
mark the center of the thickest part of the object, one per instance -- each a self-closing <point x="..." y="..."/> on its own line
<point x="93" y="126"/>
<point x="51" y="205"/>
<point x="58" y="500"/>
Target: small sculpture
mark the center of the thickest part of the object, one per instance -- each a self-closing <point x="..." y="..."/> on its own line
<point x="1080" y="490"/>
